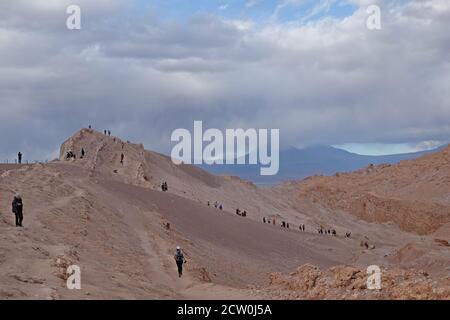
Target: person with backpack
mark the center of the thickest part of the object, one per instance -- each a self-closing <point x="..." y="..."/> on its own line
<point x="179" y="259"/>
<point x="17" y="209"/>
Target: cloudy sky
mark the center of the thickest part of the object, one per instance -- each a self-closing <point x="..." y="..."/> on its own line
<point x="143" y="68"/>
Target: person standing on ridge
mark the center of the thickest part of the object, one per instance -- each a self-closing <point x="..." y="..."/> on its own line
<point x="17" y="209"/>
<point x="19" y="157"/>
<point x="180" y="260"/>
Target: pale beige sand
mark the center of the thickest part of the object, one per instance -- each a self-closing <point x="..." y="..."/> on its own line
<point x="110" y="220"/>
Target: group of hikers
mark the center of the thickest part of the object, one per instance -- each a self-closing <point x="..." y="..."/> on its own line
<point x="269" y="221"/>
<point x="241" y="213"/>
<point x="216" y="205"/>
<point x="302" y="227"/>
<point x="107" y="133"/>
<point x="326" y="231"/>
<point x="283" y="224"/>
<point x="71" y="155"/>
<point x="164" y="186"/>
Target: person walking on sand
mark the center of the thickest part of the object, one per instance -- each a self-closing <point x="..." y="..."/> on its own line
<point x="180" y="260"/>
<point x="121" y="158"/>
<point x="82" y="153"/>
<point x="17" y="209"/>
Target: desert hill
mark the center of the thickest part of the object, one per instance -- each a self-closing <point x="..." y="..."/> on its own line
<point x="413" y="194"/>
<point x="112" y="220"/>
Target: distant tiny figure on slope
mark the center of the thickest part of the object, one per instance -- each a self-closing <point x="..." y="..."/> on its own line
<point x="82" y="153"/>
<point x="220" y="207"/>
<point x="264" y="219"/>
<point x="180" y="260"/>
<point x="17" y="209"/>
<point x="122" y="156"/>
<point x="164" y="186"/>
<point x="109" y="132"/>
<point x="19" y="157"/>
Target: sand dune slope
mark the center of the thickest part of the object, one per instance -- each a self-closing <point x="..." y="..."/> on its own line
<point x="111" y="220"/>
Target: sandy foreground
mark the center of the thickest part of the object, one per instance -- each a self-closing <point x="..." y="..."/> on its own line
<point x="111" y="220"/>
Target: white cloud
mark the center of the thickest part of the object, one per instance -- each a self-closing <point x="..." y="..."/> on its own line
<point x="330" y="81"/>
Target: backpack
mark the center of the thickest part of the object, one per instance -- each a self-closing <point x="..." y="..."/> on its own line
<point x="179" y="257"/>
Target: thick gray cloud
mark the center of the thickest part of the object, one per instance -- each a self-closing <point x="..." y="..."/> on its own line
<point x="327" y="82"/>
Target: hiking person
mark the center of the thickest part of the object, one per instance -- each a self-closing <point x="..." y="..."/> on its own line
<point x="216" y="204"/>
<point x="287" y="225"/>
<point x="209" y="204"/>
<point x="264" y="219"/>
<point x="104" y="131"/>
<point x="121" y="158"/>
<point x="19" y="157"/>
<point x="179" y="259"/>
<point x="109" y="133"/>
<point x="238" y="212"/>
<point x="82" y="152"/>
<point x="17" y="209"/>
<point x="220" y="207"/>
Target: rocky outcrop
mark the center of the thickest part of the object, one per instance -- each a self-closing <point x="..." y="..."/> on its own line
<point x="345" y="282"/>
<point x="413" y="194"/>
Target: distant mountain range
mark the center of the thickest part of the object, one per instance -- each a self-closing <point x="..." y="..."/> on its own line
<point x="297" y="164"/>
